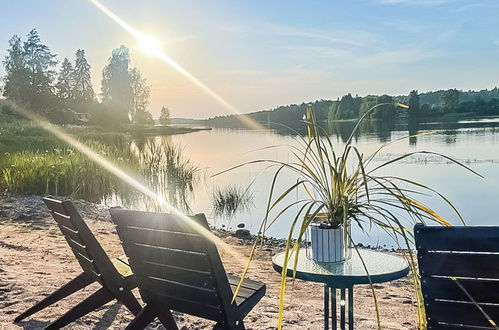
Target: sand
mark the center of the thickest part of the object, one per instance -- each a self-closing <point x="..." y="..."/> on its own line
<point x="35" y="260"/>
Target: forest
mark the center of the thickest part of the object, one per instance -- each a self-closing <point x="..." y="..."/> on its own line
<point x="451" y="103"/>
<point x="33" y="82"/>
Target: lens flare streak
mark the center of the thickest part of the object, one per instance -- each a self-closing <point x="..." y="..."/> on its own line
<point x="127" y="178"/>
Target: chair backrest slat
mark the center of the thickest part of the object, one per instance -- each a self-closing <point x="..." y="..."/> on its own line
<point x="456" y="263"/>
<point x="486" y="290"/>
<point x="81" y="249"/>
<point x="84" y="245"/>
<point x="168" y="257"/>
<point x="166" y="239"/>
<point x="174" y="262"/>
<point x="460" y="238"/>
<point x="448" y="312"/>
<point x="54" y="205"/>
<point x="64" y="220"/>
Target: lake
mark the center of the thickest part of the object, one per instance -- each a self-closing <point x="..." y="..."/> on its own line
<point x="473" y="142"/>
<point x="34" y="162"/>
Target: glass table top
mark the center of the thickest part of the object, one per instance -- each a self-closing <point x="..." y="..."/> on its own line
<point x="382" y="267"/>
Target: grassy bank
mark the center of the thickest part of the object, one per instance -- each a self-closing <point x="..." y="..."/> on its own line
<point x="35" y="162"/>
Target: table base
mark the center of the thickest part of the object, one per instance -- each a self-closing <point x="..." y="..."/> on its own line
<point x="330" y="292"/>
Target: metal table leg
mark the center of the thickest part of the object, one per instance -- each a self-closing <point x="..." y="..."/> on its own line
<point x="342" y="309"/>
<point x="330" y="311"/>
<point x="350" y="308"/>
<point x="334" y="319"/>
<point x="326" y="307"/>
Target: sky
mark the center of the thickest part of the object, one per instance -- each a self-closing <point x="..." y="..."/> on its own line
<point x="261" y="54"/>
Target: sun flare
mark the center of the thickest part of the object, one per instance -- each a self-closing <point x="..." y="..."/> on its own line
<point x="150" y="45"/>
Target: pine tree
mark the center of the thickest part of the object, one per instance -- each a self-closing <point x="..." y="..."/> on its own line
<point x="39" y="63"/>
<point x="83" y="90"/>
<point x="30" y="76"/>
<point x="65" y="81"/>
<point x="17" y="77"/>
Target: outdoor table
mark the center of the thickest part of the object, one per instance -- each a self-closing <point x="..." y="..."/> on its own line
<point x="382" y="267"/>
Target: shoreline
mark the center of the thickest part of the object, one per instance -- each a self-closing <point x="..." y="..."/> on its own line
<point x="30" y="209"/>
<point x="35" y="260"/>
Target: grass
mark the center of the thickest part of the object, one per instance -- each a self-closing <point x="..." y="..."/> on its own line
<point x="32" y="161"/>
<point x="60" y="172"/>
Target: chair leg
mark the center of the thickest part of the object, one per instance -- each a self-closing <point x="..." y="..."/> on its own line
<point x="91" y="303"/>
<point x="129" y="300"/>
<point x="142" y="320"/>
<point x="76" y="284"/>
<point x="167" y="319"/>
<point x="221" y="325"/>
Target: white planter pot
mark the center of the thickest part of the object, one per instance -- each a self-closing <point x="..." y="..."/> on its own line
<point x="328" y="244"/>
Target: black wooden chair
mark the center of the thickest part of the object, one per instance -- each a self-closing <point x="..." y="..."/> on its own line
<point x="459" y="268"/>
<point x="114" y="275"/>
<point x="179" y="269"/>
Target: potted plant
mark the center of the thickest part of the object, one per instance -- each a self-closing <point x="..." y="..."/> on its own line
<point x="343" y="188"/>
<point x="328" y="238"/>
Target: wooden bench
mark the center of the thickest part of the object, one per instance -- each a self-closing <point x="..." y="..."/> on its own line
<point x="115" y="276"/>
<point x="459" y="268"/>
<point x="178" y="268"/>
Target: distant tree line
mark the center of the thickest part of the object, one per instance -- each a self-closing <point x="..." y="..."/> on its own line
<point x="439" y="104"/>
<point x="32" y="82"/>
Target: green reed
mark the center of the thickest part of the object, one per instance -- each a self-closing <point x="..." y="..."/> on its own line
<point x="60" y="172"/>
<point x="34" y="162"/>
<point x="230" y="200"/>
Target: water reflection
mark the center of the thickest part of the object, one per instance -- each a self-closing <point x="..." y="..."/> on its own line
<point x="383" y="130"/>
<point x="473" y="144"/>
<point x="165" y="167"/>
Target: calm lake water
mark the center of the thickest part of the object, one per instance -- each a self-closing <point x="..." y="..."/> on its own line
<point x="473" y="142"/>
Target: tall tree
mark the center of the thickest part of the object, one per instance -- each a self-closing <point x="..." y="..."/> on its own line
<point x="17" y="77"/>
<point x="116" y="84"/>
<point x="39" y="62"/>
<point x="140" y="95"/>
<point x="83" y="90"/>
<point x="164" y="117"/>
<point x="450" y="99"/>
<point x="413" y="103"/>
<point x="65" y="81"/>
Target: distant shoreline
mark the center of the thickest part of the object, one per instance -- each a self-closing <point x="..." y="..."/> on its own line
<point x="165" y="130"/>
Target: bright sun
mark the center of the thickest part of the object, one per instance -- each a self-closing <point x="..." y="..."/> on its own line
<point x="150" y="45"/>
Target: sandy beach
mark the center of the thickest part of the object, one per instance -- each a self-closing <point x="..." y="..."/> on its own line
<point x="35" y="260"/>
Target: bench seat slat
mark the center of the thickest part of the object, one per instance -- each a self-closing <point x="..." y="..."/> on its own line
<point x="248" y="283"/>
<point x="122" y="268"/>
